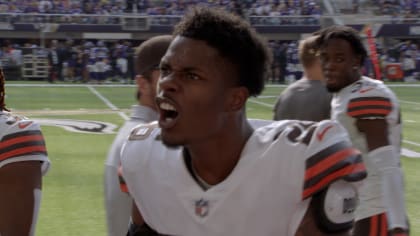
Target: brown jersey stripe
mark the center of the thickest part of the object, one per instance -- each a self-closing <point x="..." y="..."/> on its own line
<point x="22" y="145"/>
<point x="123" y="184"/>
<point x="354" y="104"/>
<point x="329" y="162"/>
<point x="349" y="160"/>
<point x="321" y="155"/>
<point x="20" y="134"/>
<point x="23" y="140"/>
<point x="355" y="168"/>
<point x="372" y="106"/>
<point x="381" y="113"/>
<point x="31" y="150"/>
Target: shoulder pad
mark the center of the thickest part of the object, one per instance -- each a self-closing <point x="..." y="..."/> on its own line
<point x="330" y="156"/>
<point x="369" y="99"/>
<point x="334" y="207"/>
<point x="142" y="131"/>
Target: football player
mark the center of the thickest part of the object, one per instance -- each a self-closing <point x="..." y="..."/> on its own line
<point x="370" y="112"/>
<point x="118" y="204"/>
<point x="203" y="169"/>
<point x="23" y="162"/>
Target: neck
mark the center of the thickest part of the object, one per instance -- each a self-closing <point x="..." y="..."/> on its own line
<point x="214" y="160"/>
<point x="313" y="73"/>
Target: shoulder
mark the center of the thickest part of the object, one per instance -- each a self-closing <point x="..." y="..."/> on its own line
<point x="325" y="150"/>
<point x="330" y="157"/>
<point x="16" y="125"/>
<point x="143" y="131"/>
<point x="20" y="139"/>
<point x="141" y="140"/>
<point x="370" y="98"/>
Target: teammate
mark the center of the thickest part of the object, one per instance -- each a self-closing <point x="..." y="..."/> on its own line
<point x="307" y="98"/>
<point x="23" y="162"/>
<point x="118" y="204"/>
<point x="371" y="114"/>
<point x="206" y="171"/>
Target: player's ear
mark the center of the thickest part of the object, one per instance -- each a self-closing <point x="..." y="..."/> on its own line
<point x="237" y="98"/>
<point x="142" y="83"/>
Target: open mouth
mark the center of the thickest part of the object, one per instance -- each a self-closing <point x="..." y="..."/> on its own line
<point x="168" y="113"/>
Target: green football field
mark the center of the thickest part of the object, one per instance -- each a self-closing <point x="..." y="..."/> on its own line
<point x="72" y="201"/>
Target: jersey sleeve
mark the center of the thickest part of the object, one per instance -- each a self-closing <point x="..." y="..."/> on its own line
<point x="330" y="157"/>
<point x="123" y="184"/>
<point x="369" y="102"/>
<point x="22" y="140"/>
<point x="134" y="152"/>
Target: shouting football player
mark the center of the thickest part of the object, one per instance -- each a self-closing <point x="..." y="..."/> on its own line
<point x="202" y="169"/>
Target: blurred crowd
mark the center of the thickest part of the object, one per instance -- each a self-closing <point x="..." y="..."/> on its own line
<point x="100" y="61"/>
<point x="178" y="7"/>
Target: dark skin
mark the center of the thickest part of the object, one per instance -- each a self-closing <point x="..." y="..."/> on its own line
<point x="341" y="67"/>
<point x="200" y="87"/>
<point x="199" y="83"/>
<point x="17" y="183"/>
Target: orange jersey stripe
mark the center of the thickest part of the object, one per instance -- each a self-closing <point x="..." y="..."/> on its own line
<point x="369" y="103"/>
<point x="21" y="139"/>
<point x="123" y="185"/>
<point x="373" y="226"/>
<point x="358" y="167"/>
<point x="383" y="112"/>
<point x="22" y="151"/>
<point x="329" y="161"/>
<point x="124" y="188"/>
<point x="384" y="225"/>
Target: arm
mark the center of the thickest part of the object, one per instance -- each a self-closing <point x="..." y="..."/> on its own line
<point x="20" y="186"/>
<point x="376" y="131"/>
<point x="138" y="226"/>
<point x="308" y="225"/>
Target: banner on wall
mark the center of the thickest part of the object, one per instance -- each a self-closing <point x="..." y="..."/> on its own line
<point x="373" y="53"/>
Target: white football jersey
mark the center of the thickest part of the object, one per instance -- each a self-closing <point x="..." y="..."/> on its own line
<point x="281" y="166"/>
<point x="21" y="140"/>
<point x="368" y="99"/>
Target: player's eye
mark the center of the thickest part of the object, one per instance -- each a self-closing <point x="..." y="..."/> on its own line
<point x="164" y="71"/>
<point x="191" y="76"/>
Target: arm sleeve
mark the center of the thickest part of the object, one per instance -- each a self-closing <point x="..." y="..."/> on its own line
<point x="331" y="156"/>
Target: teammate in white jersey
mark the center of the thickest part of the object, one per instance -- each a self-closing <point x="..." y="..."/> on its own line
<point x="206" y="171"/>
<point x="371" y="114"/>
<point x="23" y="162"/>
<point x="117" y="203"/>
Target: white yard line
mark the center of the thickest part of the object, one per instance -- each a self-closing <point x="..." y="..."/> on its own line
<point x="261" y="103"/>
<point x="108" y="103"/>
<point x="414" y="103"/>
<point x="412" y="143"/>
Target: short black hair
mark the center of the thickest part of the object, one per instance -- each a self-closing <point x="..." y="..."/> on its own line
<point x="345" y="33"/>
<point x="234" y="38"/>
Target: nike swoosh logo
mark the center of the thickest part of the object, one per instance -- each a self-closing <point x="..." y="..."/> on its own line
<point x="321" y="134"/>
<point x="24" y="124"/>
<point x="365" y="90"/>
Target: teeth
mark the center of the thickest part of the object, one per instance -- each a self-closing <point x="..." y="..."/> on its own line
<point x="167" y="119"/>
<point x="167" y="106"/>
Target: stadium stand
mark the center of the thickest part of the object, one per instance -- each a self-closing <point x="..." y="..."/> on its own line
<point x="78" y="26"/>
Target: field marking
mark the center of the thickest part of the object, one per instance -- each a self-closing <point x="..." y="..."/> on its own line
<point x="403" y="101"/>
<point x="409" y="153"/>
<point x="411" y="142"/>
<point x="108" y="103"/>
<point x="261" y="103"/>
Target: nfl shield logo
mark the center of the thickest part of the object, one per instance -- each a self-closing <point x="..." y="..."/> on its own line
<point x="201" y="207"/>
